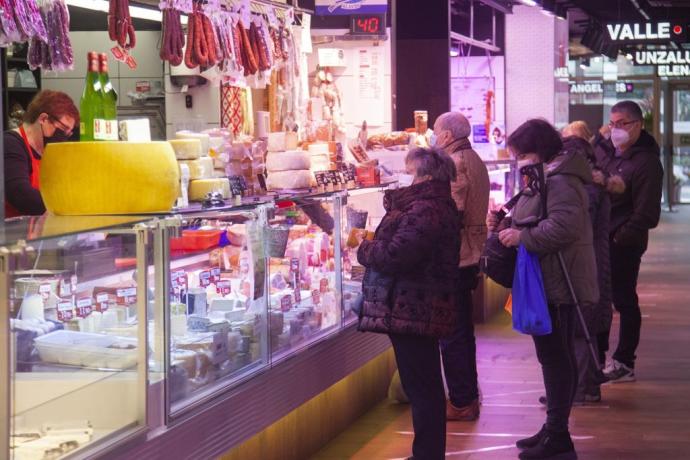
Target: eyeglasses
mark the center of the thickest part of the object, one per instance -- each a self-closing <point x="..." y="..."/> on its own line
<point x="621" y="124"/>
<point x="56" y="121"/>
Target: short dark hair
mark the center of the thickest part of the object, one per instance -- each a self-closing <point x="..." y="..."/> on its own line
<point x="55" y="103"/>
<point x="433" y="162"/>
<point x="536" y="136"/>
<point x="631" y="108"/>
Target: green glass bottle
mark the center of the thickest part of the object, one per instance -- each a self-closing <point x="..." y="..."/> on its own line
<point x="109" y="100"/>
<point x="91" y="105"/>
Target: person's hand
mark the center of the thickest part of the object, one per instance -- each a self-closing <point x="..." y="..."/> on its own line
<point x="615" y="185"/>
<point x="605" y="131"/>
<point x="599" y="178"/>
<point x="492" y="221"/>
<point x="510" y="237"/>
<point x="357" y="235"/>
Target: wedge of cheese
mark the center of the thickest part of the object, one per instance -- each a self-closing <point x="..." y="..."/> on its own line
<point x="186" y="149"/>
<point x="289" y="180"/>
<point x="199" y="188"/>
<point x="288" y="161"/>
<point x="199" y="169"/>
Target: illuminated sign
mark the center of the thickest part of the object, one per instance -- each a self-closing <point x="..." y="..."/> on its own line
<point x="662" y="57"/>
<point x="640" y="32"/>
<point x="597" y="88"/>
<point x="673" y="70"/>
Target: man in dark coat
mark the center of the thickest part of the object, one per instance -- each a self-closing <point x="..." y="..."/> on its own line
<point x="627" y="150"/>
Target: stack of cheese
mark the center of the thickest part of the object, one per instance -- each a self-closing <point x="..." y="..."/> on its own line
<point x="289" y="170"/>
<point x="190" y="152"/>
<point x="320" y="157"/>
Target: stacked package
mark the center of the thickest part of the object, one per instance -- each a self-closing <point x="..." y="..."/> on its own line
<point x="192" y="152"/>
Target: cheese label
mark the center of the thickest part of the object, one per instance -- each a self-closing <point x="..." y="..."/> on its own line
<point x="286" y="303"/>
<point x="102" y="302"/>
<point x="127" y="296"/>
<point x="73" y="283"/>
<point x="84" y="307"/>
<point x="224" y="287"/>
<point x="65" y="288"/>
<point x="65" y="310"/>
<point x="215" y="275"/>
<point x="205" y="279"/>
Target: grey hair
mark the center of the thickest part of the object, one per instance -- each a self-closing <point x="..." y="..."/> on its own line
<point x="631" y="108"/>
<point x="433" y="162"/>
<point x="456" y="123"/>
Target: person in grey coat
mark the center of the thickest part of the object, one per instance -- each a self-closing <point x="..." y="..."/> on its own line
<point x="546" y="226"/>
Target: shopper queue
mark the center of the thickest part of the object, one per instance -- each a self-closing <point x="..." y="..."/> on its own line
<point x="588" y="224"/>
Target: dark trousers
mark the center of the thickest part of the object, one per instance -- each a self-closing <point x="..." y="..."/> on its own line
<point x="587" y="369"/>
<point x="459" y="351"/>
<point x="419" y="365"/>
<point x="625" y="269"/>
<point x="556" y="355"/>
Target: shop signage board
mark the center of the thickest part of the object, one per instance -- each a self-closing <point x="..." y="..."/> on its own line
<point x="332" y="57"/>
<point x="646" y="32"/>
<point x="669" y="63"/>
<point x="348" y="7"/>
<point x="597" y="88"/>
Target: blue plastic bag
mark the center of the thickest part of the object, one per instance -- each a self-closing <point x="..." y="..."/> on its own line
<point x="530" y="309"/>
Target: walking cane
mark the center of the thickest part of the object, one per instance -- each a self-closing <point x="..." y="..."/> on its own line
<point x="601" y="378"/>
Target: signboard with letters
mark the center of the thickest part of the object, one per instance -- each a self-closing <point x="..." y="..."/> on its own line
<point x="348" y="7"/>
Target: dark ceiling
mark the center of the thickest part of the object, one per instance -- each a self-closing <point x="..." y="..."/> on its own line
<point x="628" y="11"/>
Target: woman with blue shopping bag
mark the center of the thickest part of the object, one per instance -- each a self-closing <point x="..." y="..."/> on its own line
<point x="550" y="218"/>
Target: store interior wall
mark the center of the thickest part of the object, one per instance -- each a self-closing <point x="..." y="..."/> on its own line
<point x="203" y="114"/>
<point x="149" y="65"/>
<point x="531" y="48"/>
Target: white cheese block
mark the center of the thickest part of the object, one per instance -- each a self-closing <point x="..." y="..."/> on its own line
<point x="199" y="188"/>
<point x="276" y="142"/>
<point x="279" y="180"/>
<point x="205" y="139"/>
<point x="287" y="161"/>
<point x="320" y="162"/>
<point x="199" y="169"/>
<point x="316" y="149"/>
<point x="186" y="149"/>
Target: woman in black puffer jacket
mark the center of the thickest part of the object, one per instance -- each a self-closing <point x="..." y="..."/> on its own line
<point x="410" y="288"/>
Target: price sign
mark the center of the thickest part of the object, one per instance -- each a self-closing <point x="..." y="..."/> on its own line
<point x="44" y="290"/>
<point x="315" y="297"/>
<point x="334" y="177"/>
<point x="321" y="178"/>
<point x="65" y="310"/>
<point x="205" y="279"/>
<point x="215" y="275"/>
<point x="73" y="283"/>
<point x="224" y="287"/>
<point x="102" y="302"/>
<point x="238" y="185"/>
<point x="349" y="172"/>
<point x="84" y="307"/>
<point x="323" y="285"/>
<point x="286" y="303"/>
<point x="298" y="294"/>
<point x="127" y="296"/>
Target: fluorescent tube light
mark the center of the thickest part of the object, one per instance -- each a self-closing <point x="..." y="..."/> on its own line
<point x="138" y="12"/>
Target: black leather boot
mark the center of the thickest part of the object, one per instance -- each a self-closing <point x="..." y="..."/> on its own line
<point x="551" y="446"/>
<point x="532" y="440"/>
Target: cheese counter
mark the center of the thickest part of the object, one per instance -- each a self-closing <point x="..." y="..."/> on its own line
<point x="120" y="331"/>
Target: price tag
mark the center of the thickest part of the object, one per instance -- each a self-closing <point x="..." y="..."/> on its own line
<point x="286" y="303"/>
<point x="315" y="297"/>
<point x="73" y="283"/>
<point x="102" y="302"/>
<point x="321" y="178"/>
<point x="294" y="265"/>
<point x="44" y="290"/>
<point x="215" y="275"/>
<point x="84" y="307"/>
<point x="179" y="280"/>
<point x="127" y="296"/>
<point x="323" y="285"/>
<point x="65" y="310"/>
<point x="224" y="287"/>
<point x="298" y="294"/>
<point x="238" y="185"/>
<point x="205" y="279"/>
<point x="65" y="288"/>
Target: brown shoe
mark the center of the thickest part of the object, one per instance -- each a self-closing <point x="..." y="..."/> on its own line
<point x="467" y="413"/>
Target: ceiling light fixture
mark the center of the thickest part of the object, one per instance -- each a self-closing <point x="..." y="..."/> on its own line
<point x="138" y="12"/>
<point x="528" y="2"/>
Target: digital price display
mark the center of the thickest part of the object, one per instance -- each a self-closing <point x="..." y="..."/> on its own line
<point x="368" y="24"/>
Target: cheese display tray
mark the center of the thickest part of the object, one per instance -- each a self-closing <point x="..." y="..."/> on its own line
<point x="87" y="350"/>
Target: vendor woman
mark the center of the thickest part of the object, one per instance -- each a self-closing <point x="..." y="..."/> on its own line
<point x="50" y="117"/>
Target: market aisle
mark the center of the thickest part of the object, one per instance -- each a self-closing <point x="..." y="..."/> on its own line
<point x="642" y="420"/>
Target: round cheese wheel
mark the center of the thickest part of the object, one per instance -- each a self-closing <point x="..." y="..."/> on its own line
<point x="289" y="180"/>
<point x="199" y="188"/>
<point x="92" y="178"/>
<point x="288" y="161"/>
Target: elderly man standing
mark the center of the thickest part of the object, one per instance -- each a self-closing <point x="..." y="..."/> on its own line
<point x="624" y="148"/>
<point x="470" y="192"/>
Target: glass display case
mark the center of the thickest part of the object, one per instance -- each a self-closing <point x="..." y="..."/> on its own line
<point x="74" y="292"/>
<point x="304" y="272"/>
<point x="215" y="316"/>
<point x="503" y="179"/>
<point x="363" y="209"/>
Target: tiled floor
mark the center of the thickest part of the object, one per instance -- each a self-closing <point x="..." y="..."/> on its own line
<point x="648" y="419"/>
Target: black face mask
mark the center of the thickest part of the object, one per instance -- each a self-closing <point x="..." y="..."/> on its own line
<point x="58" y="136"/>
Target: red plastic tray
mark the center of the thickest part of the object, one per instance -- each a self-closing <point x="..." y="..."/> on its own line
<point x="195" y="240"/>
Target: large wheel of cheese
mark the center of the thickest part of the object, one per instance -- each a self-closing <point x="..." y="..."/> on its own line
<point x="96" y="178"/>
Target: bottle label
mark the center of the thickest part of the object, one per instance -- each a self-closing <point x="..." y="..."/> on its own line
<point x="105" y="130"/>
